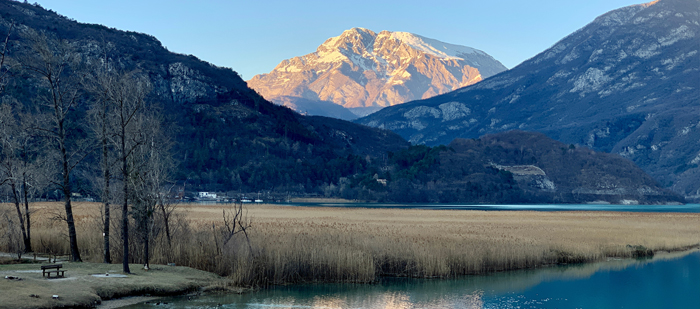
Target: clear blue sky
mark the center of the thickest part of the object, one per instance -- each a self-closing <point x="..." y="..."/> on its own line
<point x="253" y="36"/>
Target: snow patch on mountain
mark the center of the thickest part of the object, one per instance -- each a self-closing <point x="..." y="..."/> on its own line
<point x="435" y="47"/>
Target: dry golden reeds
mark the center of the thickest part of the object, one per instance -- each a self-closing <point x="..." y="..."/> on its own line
<point x="293" y="244"/>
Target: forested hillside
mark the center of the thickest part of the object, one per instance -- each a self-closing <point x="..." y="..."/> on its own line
<point x="511" y="167"/>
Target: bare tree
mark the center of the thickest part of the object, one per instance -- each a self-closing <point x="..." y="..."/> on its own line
<point x="20" y="162"/>
<point x="166" y="206"/>
<point x="99" y="119"/>
<point x="11" y="167"/>
<point x="106" y="167"/>
<point x="126" y="95"/>
<point x="152" y="162"/>
<point x="56" y="64"/>
<point x="236" y="221"/>
<point x="10" y="238"/>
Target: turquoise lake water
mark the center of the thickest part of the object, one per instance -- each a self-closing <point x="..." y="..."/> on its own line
<point x="666" y="281"/>
<point x="690" y="208"/>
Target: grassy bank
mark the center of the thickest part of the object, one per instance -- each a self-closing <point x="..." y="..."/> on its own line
<point x="80" y="289"/>
<point x="295" y="244"/>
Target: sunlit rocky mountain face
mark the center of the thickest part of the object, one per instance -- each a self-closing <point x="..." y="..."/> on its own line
<point x="627" y="83"/>
<point x="364" y="71"/>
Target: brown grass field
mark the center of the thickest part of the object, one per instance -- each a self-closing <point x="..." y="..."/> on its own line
<point x="294" y="244"/>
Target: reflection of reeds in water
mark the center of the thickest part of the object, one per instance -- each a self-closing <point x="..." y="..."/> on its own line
<point x="292" y="244"/>
<point x="524" y="279"/>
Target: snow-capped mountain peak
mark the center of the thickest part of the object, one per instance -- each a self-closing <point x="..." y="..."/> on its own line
<point x="362" y="68"/>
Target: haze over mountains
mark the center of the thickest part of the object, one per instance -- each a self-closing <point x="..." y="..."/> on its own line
<point x="364" y="70"/>
<point x="627" y="83"/>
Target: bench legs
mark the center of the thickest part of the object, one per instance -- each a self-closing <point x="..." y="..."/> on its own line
<point x="59" y="273"/>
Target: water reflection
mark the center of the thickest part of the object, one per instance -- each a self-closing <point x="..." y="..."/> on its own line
<point x="667" y="281"/>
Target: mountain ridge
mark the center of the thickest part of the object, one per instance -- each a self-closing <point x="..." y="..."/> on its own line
<point x="625" y="83"/>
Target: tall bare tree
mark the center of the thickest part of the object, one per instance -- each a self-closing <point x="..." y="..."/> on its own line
<point x="57" y="66"/>
<point x="99" y="119"/>
<point x="14" y="154"/>
<point x="125" y="94"/>
<point x="152" y="162"/>
<point x="14" y="167"/>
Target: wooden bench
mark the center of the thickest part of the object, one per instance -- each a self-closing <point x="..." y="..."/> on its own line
<point x="55" y="268"/>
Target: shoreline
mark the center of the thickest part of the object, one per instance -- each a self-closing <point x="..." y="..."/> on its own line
<point x="125" y="301"/>
<point x="216" y="284"/>
<point x="659" y="255"/>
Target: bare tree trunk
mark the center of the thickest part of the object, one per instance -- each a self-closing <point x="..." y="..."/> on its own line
<point x="125" y="205"/>
<point x="20" y="216"/>
<point x="105" y="193"/>
<point x="28" y="226"/>
<point x="106" y="254"/>
<point x="146" y="240"/>
<point x="166" y="222"/>
<point x="72" y="235"/>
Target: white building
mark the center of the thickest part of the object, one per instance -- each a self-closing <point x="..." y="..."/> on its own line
<point x="207" y="195"/>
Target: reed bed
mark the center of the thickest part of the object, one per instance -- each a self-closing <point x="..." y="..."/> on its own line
<point x="300" y="244"/>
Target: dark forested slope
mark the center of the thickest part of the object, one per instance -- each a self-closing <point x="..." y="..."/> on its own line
<point x="511" y="167"/>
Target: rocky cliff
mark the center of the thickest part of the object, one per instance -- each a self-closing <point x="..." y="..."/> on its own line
<point x="176" y="78"/>
<point x="361" y="68"/>
<point x="627" y="83"/>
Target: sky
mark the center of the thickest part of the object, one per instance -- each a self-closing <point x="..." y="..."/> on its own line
<point x="253" y="36"/>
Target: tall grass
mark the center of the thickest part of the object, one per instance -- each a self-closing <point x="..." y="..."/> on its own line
<point x="289" y="244"/>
